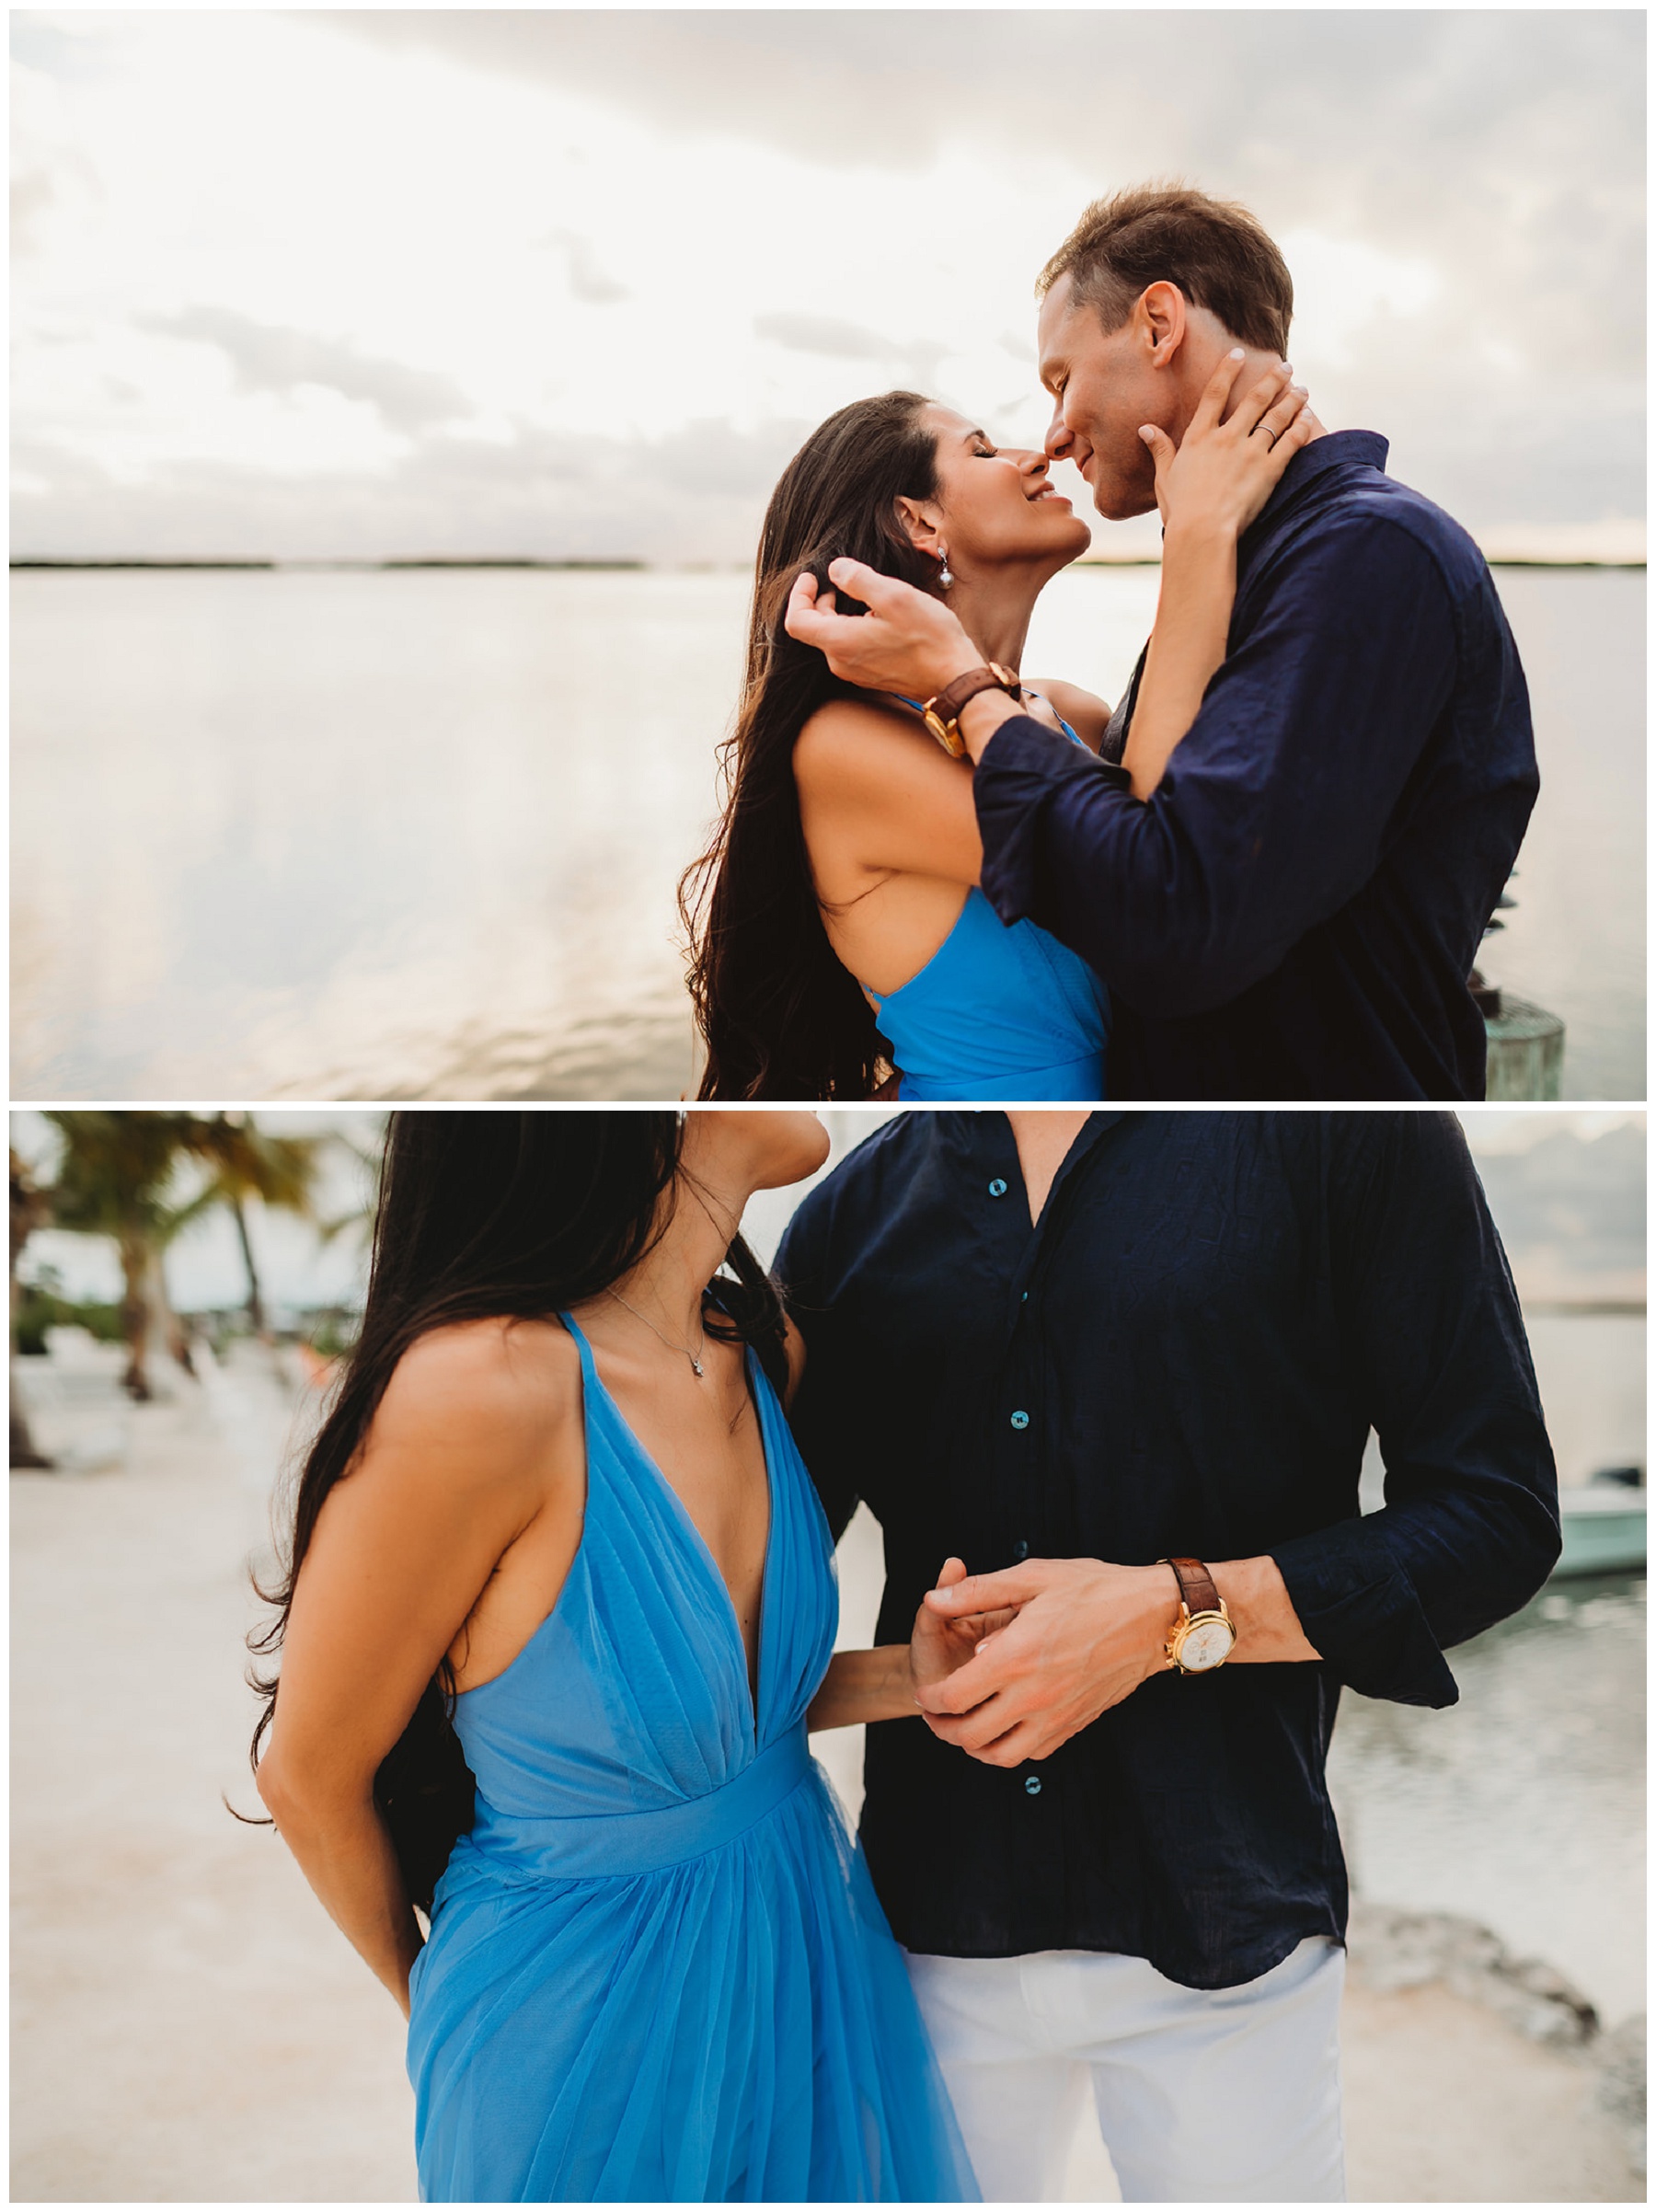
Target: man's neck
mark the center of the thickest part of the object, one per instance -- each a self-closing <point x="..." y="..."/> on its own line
<point x="1200" y="368"/>
<point x="1043" y="1141"/>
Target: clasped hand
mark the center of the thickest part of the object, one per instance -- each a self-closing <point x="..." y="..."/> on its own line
<point x="1010" y="1666"/>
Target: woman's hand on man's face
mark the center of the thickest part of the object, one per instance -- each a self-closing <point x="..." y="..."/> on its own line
<point x="1221" y="473"/>
<point x="907" y="642"/>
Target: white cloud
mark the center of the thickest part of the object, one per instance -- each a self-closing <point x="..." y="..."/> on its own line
<point x="1342" y="286"/>
<point x="309" y="275"/>
<point x="1492" y="1129"/>
<point x="266" y="358"/>
<point x="826" y="334"/>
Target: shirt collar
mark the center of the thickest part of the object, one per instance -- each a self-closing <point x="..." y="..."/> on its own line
<point x="1334" y="449"/>
<point x="974" y="1142"/>
<point x="984" y="1137"/>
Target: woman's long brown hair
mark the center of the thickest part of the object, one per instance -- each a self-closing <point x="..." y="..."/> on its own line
<point x="485" y="1214"/>
<point x="778" y="1015"/>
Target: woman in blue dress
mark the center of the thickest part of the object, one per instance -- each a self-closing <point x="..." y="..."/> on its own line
<point x="559" y="1610"/>
<point x="838" y="931"/>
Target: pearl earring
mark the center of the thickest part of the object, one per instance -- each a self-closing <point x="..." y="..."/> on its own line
<point x="946" y="578"/>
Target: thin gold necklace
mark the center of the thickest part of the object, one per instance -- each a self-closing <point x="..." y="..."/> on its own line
<point x="695" y="1366"/>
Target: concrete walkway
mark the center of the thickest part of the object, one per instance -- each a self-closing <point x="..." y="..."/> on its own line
<point x="190" y="2027"/>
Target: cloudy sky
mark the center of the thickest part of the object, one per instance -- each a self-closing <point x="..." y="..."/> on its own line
<point x="575" y="283"/>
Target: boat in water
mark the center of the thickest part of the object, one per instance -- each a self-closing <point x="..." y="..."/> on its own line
<point x="1603" y="1524"/>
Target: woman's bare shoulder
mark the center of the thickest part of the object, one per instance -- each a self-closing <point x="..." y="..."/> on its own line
<point x="1086" y="714"/>
<point x="841" y="722"/>
<point x="486" y="1398"/>
<point x="854" y="748"/>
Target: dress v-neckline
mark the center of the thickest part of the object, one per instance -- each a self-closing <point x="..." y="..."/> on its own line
<point x="753" y="1678"/>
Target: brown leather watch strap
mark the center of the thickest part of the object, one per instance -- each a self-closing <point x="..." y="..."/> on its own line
<point x="1195" y="1584"/>
<point x="948" y="703"/>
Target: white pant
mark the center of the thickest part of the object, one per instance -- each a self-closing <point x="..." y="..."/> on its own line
<point x="1204" y="2096"/>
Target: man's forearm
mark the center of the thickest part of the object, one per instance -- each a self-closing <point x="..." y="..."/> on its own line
<point x="1170" y="901"/>
<point x="1267" y="1628"/>
<point x="981" y="717"/>
<point x="1085" y="1634"/>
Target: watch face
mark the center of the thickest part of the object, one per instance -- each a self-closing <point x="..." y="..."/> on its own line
<point x="1208" y="1642"/>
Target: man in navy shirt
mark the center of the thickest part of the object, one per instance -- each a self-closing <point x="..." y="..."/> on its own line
<point x="1068" y="1349"/>
<point x="1295" y="912"/>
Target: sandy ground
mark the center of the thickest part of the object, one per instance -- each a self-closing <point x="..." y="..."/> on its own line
<point x="189" y="2026"/>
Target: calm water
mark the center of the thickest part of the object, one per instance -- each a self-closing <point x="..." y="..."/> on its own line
<point x="1523" y="1806"/>
<point x="416" y="834"/>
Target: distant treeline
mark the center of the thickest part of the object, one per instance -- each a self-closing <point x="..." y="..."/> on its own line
<point x="445" y="561"/>
<point x="436" y="561"/>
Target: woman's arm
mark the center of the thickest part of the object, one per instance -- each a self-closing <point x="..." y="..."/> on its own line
<point x="1208" y="490"/>
<point x="453" y="1471"/>
<point x="1192" y="624"/>
<point x="878" y="1685"/>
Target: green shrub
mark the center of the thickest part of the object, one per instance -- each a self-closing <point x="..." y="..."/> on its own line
<point x="39" y="1310"/>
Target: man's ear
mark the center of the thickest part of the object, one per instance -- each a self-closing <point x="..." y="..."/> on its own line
<point x="920" y="520"/>
<point x="1160" y="320"/>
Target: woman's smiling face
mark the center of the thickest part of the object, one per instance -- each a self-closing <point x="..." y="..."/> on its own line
<point x="993" y="504"/>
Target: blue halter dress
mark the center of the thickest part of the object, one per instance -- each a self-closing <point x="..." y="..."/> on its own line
<point x="998" y="1011"/>
<point x="657" y="1967"/>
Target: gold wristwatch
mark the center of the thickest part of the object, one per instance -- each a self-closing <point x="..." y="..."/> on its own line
<point x="942" y="712"/>
<point x="1205" y="1635"/>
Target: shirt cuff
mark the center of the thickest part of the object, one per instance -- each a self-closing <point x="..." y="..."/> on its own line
<point x="1361" y="1611"/>
<point x="1023" y="765"/>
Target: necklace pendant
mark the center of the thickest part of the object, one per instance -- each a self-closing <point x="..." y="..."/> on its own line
<point x="697" y="1365"/>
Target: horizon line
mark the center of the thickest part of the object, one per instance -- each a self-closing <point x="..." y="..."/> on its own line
<point x="374" y="562"/>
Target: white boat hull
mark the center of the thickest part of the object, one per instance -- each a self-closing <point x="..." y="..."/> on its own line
<point x="1603" y="1531"/>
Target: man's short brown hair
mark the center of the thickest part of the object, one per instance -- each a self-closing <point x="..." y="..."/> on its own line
<point x="1217" y="253"/>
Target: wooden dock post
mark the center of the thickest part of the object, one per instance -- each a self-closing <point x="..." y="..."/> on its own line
<point x="1525" y="1043"/>
<point x="1526" y="1048"/>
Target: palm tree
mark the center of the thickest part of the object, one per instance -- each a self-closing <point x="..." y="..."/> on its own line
<point x="30" y="1209"/>
<point x="247" y="1162"/>
<point x="113" y="1180"/>
<point x="118" y="1178"/>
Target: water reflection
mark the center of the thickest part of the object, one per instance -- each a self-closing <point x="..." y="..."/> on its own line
<point x="1522" y="1807"/>
<point x="416" y="834"/>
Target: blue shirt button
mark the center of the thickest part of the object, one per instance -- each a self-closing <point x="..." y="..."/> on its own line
<point x="1021" y="1549"/>
<point x="1032" y="1785"/>
<point x="1020" y="1421"/>
<point x="997" y="1188"/>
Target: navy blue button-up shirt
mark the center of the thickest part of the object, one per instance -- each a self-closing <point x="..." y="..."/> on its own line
<point x="1295" y="913"/>
<point x="1214" y="1310"/>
